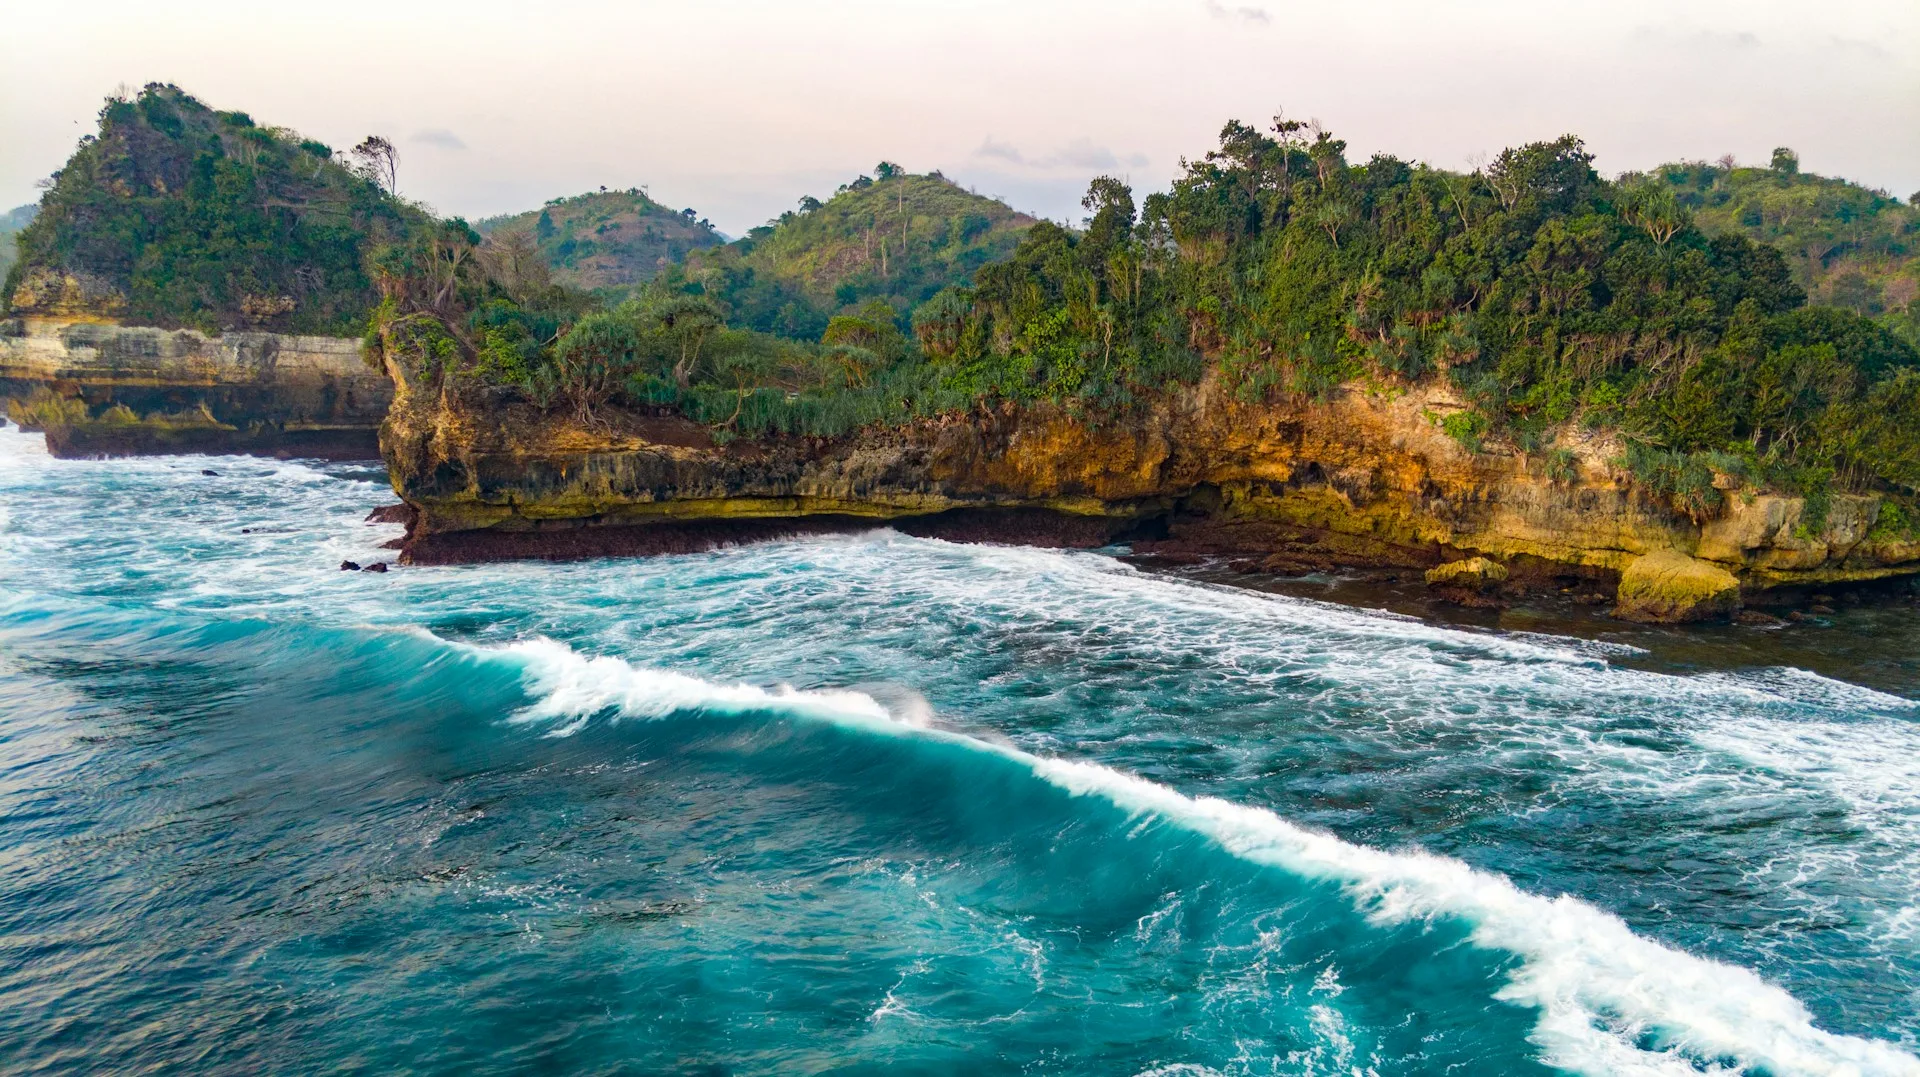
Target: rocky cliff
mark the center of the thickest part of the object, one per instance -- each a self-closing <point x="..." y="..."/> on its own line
<point x="102" y="389"/>
<point x="1364" y="479"/>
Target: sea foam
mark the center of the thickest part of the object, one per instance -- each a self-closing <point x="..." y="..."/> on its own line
<point x="1609" y="1001"/>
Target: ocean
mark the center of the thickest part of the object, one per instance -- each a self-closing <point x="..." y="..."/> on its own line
<point x="876" y="804"/>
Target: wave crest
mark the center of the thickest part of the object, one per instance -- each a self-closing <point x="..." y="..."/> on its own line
<point x="1610" y="1001"/>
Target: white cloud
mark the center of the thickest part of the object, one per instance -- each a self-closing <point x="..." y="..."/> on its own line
<point x="440" y="138"/>
<point x="1243" y="13"/>
<point x="1081" y="154"/>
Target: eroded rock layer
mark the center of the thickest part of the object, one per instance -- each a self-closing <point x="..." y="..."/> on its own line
<point x="1366" y="479"/>
<point x="101" y="389"/>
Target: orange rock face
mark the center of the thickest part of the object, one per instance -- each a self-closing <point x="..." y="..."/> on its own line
<point x="1367" y="477"/>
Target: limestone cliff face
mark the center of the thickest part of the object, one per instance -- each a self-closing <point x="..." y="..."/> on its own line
<point x="1366" y="478"/>
<point x="111" y="389"/>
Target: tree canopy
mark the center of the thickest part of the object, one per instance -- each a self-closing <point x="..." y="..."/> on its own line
<point x="898" y="238"/>
<point x="1847" y="245"/>
<point x="607" y="239"/>
<point x="200" y="218"/>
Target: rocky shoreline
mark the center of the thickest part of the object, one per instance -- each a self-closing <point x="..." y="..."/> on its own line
<point x="1363" y="481"/>
<point x="100" y="389"/>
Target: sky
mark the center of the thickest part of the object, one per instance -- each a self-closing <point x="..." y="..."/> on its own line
<point x="737" y="108"/>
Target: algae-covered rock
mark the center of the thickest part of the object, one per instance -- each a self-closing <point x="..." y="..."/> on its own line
<point x="1668" y="587"/>
<point x="1475" y="573"/>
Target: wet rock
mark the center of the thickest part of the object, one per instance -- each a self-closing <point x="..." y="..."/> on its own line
<point x="1467" y="598"/>
<point x="1796" y="617"/>
<point x="1756" y="619"/>
<point x="1822" y="610"/>
<point x="391" y="514"/>
<point x="1668" y="587"/>
<point x="377" y="566"/>
<point x="1477" y="574"/>
<point x="349" y="566"/>
<point x="209" y="471"/>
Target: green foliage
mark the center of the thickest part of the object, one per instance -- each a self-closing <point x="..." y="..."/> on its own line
<point x="1545" y="292"/>
<point x="1898" y="522"/>
<point x="11" y="223"/>
<point x="1562" y="467"/>
<point x="899" y="239"/>
<point x="206" y="220"/>
<point x="1465" y="427"/>
<point x="1847" y="245"/>
<point x="1684" y="480"/>
<point x="607" y="239"/>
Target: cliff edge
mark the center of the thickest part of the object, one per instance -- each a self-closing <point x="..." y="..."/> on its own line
<point x="101" y="389"/>
<point x="1364" y="479"/>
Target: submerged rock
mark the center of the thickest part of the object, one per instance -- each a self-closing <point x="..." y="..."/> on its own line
<point x="349" y="566"/>
<point x="377" y="566"/>
<point x="1668" y="587"/>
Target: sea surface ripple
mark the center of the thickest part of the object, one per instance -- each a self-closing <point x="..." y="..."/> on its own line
<point x="880" y="804"/>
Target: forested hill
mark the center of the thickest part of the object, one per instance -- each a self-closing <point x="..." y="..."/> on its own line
<point x="894" y="237"/>
<point x="1848" y="245"/>
<point x="175" y="214"/>
<point x="607" y="239"/>
<point x="1552" y="299"/>
<point x="11" y="222"/>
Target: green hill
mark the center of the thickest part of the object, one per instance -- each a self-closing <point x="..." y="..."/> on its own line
<point x="12" y="222"/>
<point x="608" y="239"/>
<point x="900" y="239"/>
<point x="1848" y="245"/>
<point x="177" y="215"/>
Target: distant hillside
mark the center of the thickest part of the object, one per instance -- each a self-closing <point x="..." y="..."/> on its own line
<point x="177" y="215"/>
<point x="608" y="239"/>
<point x="899" y="238"/>
<point x="1848" y="245"/>
<point x="11" y="222"/>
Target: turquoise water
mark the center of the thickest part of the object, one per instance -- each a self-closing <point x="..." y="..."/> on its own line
<point x="881" y="804"/>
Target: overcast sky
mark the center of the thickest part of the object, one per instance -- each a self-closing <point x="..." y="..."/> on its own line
<point x="738" y="107"/>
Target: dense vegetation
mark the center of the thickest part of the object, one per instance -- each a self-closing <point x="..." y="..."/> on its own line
<point x="11" y="222"/>
<point x="1848" y="245"/>
<point x="1546" y="293"/>
<point x="605" y="239"/>
<point x="1550" y="296"/>
<point x="898" y="238"/>
<point x="206" y="219"/>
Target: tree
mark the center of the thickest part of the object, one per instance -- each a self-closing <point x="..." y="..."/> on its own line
<point x="592" y="360"/>
<point x="887" y="170"/>
<point x="543" y="229"/>
<point x="513" y="261"/>
<point x="1785" y="161"/>
<point x="685" y="321"/>
<point x="1652" y="207"/>
<point x="378" y="163"/>
<point x="1550" y="175"/>
<point x="1111" y="225"/>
